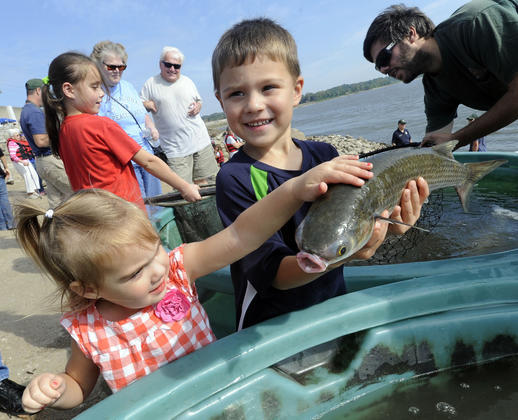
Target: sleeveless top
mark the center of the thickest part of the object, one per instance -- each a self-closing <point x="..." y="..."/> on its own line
<point x="128" y="349"/>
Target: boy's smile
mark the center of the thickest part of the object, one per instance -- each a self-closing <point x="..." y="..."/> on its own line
<point x="258" y="99"/>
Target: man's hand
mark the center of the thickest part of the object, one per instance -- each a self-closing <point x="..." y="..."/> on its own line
<point x="150" y="106"/>
<point x="436" y="138"/>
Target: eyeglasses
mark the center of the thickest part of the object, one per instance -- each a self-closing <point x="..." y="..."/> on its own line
<point x="169" y="65"/>
<point x="384" y="56"/>
<point x="112" y="67"/>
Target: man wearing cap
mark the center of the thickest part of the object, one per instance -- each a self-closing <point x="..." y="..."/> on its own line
<point x="48" y="167"/>
<point x="468" y="59"/>
<point x="478" y="145"/>
<point x="401" y="136"/>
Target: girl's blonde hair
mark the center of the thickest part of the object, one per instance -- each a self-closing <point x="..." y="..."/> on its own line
<point x="81" y="238"/>
<point x="251" y="38"/>
<point x="71" y="67"/>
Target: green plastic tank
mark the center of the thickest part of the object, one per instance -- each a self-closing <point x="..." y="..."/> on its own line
<point x="399" y="322"/>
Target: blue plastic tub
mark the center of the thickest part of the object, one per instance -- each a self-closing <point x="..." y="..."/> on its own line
<point x="399" y="321"/>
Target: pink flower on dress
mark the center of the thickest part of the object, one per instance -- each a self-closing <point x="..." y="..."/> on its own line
<point x="173" y="307"/>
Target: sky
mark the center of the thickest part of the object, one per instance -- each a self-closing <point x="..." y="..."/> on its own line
<point x="329" y="35"/>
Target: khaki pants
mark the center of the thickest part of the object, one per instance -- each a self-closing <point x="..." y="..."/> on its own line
<point x="52" y="171"/>
<point x="197" y="167"/>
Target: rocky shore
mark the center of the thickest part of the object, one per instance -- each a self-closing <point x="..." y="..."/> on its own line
<point x="346" y="145"/>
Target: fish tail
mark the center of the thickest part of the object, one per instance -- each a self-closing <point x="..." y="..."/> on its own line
<point x="476" y="171"/>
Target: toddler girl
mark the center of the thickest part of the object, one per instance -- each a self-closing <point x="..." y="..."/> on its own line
<point x="96" y="151"/>
<point x="132" y="306"/>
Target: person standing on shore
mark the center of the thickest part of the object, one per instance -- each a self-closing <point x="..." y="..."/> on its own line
<point x="175" y="105"/>
<point x="48" y="167"/>
<point x="6" y="213"/>
<point x="232" y="142"/>
<point x="478" y="145"/>
<point x="401" y="136"/>
<point x="123" y="105"/>
<point x="22" y="158"/>
<point x="468" y="59"/>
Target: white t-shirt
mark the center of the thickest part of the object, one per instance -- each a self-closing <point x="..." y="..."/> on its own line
<point x="180" y="134"/>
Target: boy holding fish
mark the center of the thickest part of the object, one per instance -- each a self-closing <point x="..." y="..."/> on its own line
<point x="258" y="83"/>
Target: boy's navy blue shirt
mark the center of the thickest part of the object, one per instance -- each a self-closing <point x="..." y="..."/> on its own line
<point x="240" y="183"/>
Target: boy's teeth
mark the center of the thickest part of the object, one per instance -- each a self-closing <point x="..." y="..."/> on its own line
<point x="258" y="123"/>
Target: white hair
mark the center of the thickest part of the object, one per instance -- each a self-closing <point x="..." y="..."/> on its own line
<point x="173" y="50"/>
<point x="13" y="132"/>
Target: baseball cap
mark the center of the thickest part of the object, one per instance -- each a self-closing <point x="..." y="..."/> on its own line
<point x="33" y="84"/>
<point x="401" y="122"/>
<point x="472" y="117"/>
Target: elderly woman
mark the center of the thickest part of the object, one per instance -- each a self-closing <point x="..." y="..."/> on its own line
<point x="23" y="161"/>
<point x="124" y="106"/>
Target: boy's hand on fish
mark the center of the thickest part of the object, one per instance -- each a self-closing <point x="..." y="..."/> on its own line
<point x="409" y="208"/>
<point x="42" y="391"/>
<point x="342" y="169"/>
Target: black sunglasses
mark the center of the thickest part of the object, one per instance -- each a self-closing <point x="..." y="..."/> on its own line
<point x="112" y="67"/>
<point x="169" y="65"/>
<point x="384" y="56"/>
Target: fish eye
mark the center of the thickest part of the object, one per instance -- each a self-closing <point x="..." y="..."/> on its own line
<point x="341" y="251"/>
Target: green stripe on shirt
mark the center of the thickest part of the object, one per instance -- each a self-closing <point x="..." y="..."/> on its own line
<point x="259" y="180"/>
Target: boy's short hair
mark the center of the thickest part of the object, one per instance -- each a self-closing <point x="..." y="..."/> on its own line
<point x="250" y="38"/>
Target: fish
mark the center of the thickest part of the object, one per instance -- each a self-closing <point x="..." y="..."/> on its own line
<point x="341" y="221"/>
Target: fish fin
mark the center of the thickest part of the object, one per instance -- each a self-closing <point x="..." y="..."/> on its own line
<point x="476" y="171"/>
<point x="397" y="222"/>
<point x="446" y="149"/>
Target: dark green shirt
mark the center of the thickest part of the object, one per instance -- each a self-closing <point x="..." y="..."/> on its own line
<point x="479" y="50"/>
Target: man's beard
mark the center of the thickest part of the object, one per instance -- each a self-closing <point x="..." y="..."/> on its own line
<point x="413" y="67"/>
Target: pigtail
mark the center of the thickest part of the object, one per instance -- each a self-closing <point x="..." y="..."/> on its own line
<point x="54" y="114"/>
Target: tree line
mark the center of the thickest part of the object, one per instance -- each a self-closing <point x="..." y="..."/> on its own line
<point x="345" y="89"/>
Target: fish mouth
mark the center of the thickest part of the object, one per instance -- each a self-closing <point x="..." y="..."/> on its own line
<point x="310" y="263"/>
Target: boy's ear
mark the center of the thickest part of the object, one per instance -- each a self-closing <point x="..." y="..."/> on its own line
<point x="218" y="97"/>
<point x="87" y="292"/>
<point x="299" y="84"/>
<point x="68" y="90"/>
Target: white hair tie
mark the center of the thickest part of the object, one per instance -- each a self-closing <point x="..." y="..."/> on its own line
<point x="49" y="213"/>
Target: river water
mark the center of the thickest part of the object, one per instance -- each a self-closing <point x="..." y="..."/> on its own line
<point x="373" y="115"/>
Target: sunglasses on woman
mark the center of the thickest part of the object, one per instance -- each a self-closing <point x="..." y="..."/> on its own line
<point x="112" y="67"/>
<point x="169" y="65"/>
<point x="384" y="56"/>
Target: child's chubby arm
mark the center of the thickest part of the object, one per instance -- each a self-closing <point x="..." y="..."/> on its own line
<point x="290" y="275"/>
<point x="260" y="221"/>
<point x="157" y="167"/>
<point x="63" y="390"/>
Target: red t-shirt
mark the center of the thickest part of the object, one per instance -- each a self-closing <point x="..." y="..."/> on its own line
<point x="97" y="153"/>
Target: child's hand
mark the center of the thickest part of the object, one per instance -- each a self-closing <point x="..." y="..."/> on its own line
<point x="43" y="391"/>
<point x="191" y="192"/>
<point x="342" y="169"/>
<point x="409" y="210"/>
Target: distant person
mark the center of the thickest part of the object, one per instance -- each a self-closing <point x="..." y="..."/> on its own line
<point x="133" y="307"/>
<point x="176" y="104"/>
<point x="401" y="136"/>
<point x="48" y="167"/>
<point x="123" y="105"/>
<point x="218" y="153"/>
<point x="269" y="282"/>
<point x="232" y="142"/>
<point x="10" y="393"/>
<point x="96" y="151"/>
<point x="22" y="157"/>
<point x="468" y="59"/>
<point x="6" y="213"/>
<point x="478" y="145"/>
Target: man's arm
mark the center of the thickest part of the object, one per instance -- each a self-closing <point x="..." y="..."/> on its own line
<point x="41" y="140"/>
<point x="501" y="114"/>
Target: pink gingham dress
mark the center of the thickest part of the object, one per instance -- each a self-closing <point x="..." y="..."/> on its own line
<point x="134" y="347"/>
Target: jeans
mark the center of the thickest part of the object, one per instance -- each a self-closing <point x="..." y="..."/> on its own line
<point x="4" y="372"/>
<point x="149" y="185"/>
<point x="6" y="214"/>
